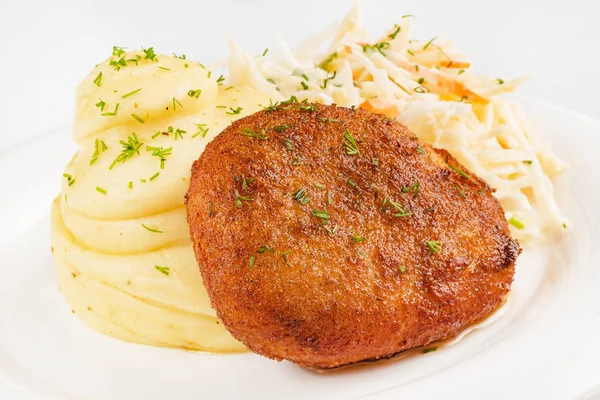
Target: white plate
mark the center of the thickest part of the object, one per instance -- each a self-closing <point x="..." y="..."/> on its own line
<point x="544" y="345"/>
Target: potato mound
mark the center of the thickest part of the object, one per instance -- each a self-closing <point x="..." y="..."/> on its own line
<point x="121" y="245"/>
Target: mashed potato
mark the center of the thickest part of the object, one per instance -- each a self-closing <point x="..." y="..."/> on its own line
<point x="122" y="252"/>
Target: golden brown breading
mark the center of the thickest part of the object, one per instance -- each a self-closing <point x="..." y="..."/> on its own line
<point x="323" y="257"/>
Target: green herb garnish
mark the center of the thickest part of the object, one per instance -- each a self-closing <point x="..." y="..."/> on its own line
<point x="434" y="246"/>
<point x="137" y="118"/>
<point x="126" y="95"/>
<point x="262" y="249"/>
<point x="233" y="112"/>
<point x="202" y="130"/>
<point x="301" y="196"/>
<point x="516" y="222"/>
<point x="109" y="114"/>
<point x="152" y="230"/>
<point x="99" y="147"/>
<point x="195" y="93"/>
<point x="330" y="120"/>
<point x="99" y="189"/>
<point x="162" y="270"/>
<point x="429" y="43"/>
<point x="393" y="34"/>
<point x="239" y="199"/>
<point x="358" y="239"/>
<point x="459" y="190"/>
<point x="429" y="350"/>
<point x="350" y="144"/>
<point x="101" y="104"/>
<point x="461" y="173"/>
<point x="161" y="153"/>
<point x="321" y="214"/>
<point x="130" y="147"/>
<point x="285" y="256"/>
<point x="150" y="55"/>
<point x="175" y="102"/>
<point x="414" y="188"/>
<point x="98" y="80"/>
<point x="250" y="133"/>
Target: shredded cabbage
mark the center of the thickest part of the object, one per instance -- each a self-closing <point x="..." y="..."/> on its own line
<point x="429" y="87"/>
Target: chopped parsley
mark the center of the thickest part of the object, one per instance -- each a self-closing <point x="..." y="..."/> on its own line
<point x="429" y="350"/>
<point x="351" y="183"/>
<point x="401" y="269"/>
<point x="251" y="262"/>
<point x="288" y="143"/>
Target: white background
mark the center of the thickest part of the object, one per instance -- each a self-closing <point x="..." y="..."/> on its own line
<point x="49" y="46"/>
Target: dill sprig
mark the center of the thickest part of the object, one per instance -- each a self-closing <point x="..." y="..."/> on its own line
<point x="160" y="153"/>
<point x="130" y="148"/>
<point x="250" y="133"/>
<point x="350" y="144"/>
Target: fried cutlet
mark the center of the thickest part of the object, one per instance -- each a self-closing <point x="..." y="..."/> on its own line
<point x="327" y="235"/>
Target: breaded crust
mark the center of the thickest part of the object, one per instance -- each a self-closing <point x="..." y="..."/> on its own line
<point x="349" y="269"/>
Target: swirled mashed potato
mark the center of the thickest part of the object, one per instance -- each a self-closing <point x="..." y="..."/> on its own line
<point x="120" y="239"/>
